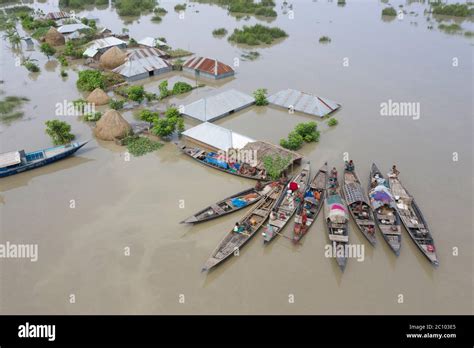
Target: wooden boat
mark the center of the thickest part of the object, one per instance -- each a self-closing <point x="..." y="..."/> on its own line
<point x="310" y="207"/>
<point x="337" y="218"/>
<point x="250" y="224"/>
<point x="384" y="208"/>
<point x="18" y="161"/>
<point x="209" y="159"/>
<point x="413" y="219"/>
<point x="359" y="205"/>
<point x="286" y="205"/>
<point x="229" y="205"/>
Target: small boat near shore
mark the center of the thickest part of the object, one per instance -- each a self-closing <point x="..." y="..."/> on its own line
<point x="308" y="211"/>
<point x="229" y="205"/>
<point x="287" y="204"/>
<point x="211" y="159"/>
<point x="246" y="229"/>
<point x="337" y="218"/>
<point x="413" y="219"/>
<point x="385" y="209"/>
<point x="19" y="161"/>
<point x="358" y="205"/>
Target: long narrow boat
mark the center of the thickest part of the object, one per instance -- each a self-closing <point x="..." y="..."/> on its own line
<point x="18" y="161"/>
<point x="229" y="205"/>
<point x="359" y="205"/>
<point x="211" y="159"/>
<point x="286" y="205"/>
<point x="309" y="209"/>
<point x="337" y="218"/>
<point x="384" y="208"/>
<point x="413" y="219"/>
<point x="248" y="226"/>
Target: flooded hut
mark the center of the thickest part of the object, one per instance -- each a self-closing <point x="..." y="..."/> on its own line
<point x="54" y="37"/>
<point x="112" y="126"/>
<point x="57" y="15"/>
<point x="218" y="106"/>
<point x="112" y="58"/>
<point x="212" y="137"/>
<point x="99" y="46"/>
<point x="207" y="68"/>
<point x="293" y="99"/>
<point x="152" y="42"/>
<point x="142" y="63"/>
<point x="98" y="97"/>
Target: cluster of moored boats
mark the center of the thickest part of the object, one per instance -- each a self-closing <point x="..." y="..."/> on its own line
<point x="387" y="205"/>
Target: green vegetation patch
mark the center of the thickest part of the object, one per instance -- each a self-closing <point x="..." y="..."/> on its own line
<point x="9" y="108"/>
<point x="59" y="131"/>
<point x="275" y="165"/>
<point x="257" y="35"/>
<point x="457" y="10"/>
<point x="324" y="39"/>
<point x="389" y="11"/>
<point x="450" y="28"/>
<point x="139" y="146"/>
<point x="134" y="7"/>
<point x="303" y="132"/>
<point x="81" y="4"/>
<point x="219" y="32"/>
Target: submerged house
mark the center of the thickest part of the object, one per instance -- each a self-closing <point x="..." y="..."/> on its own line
<point x="142" y="63"/>
<point x="293" y="99"/>
<point x="218" y="105"/>
<point x="71" y="28"/>
<point x="151" y="42"/>
<point x="99" y="46"/>
<point x="212" y="137"/>
<point x="207" y="68"/>
<point x="57" y="15"/>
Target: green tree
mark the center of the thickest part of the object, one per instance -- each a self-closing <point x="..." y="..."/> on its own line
<point x="308" y="131"/>
<point x="116" y="104"/>
<point x="294" y="141"/>
<point x="163" y="87"/>
<point x="47" y="49"/>
<point x="260" y="96"/>
<point x="166" y="126"/>
<point x="181" y="87"/>
<point x="275" y="165"/>
<point x="332" y="122"/>
<point x="59" y="131"/>
<point x="136" y="93"/>
<point x="148" y="116"/>
<point x="90" y="80"/>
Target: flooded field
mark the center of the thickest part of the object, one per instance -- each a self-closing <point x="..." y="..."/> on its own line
<point x="136" y="204"/>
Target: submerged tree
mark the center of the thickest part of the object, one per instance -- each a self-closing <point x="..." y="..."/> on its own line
<point x="59" y="131"/>
<point x="275" y="165"/>
<point x="260" y="96"/>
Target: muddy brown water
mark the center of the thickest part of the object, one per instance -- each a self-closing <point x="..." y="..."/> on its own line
<point x="136" y="203"/>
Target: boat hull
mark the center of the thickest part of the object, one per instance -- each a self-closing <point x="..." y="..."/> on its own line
<point x="41" y="163"/>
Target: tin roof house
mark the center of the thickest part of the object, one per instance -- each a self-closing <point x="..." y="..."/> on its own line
<point x="207" y="68"/>
<point x="142" y="63"/>
<point x="99" y="46"/>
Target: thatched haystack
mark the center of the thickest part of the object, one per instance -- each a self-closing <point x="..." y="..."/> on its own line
<point x="112" y="58"/>
<point x="98" y="97"/>
<point x="263" y="149"/>
<point x="112" y="126"/>
<point x="54" y="37"/>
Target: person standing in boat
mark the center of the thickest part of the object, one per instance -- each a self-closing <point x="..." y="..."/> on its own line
<point x="395" y="171"/>
<point x="259" y="186"/>
<point x="350" y="166"/>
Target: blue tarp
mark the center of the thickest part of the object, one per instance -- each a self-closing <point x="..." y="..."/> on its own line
<point x="216" y="162"/>
<point x="238" y="203"/>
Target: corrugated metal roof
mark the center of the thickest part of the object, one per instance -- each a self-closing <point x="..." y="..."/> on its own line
<point x="9" y="159"/>
<point x="70" y="28"/>
<point x="98" y="44"/>
<point x="151" y="42"/>
<point x="216" y="106"/>
<point x="57" y="15"/>
<point x="218" y="137"/>
<point x="303" y="102"/>
<point x="141" y="60"/>
<point x="208" y="65"/>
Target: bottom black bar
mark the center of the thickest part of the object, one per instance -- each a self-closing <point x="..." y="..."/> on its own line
<point x="211" y="330"/>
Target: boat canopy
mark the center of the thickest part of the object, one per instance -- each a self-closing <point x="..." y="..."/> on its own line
<point x="9" y="159"/>
<point x="354" y="193"/>
<point x="380" y="196"/>
<point x="335" y="210"/>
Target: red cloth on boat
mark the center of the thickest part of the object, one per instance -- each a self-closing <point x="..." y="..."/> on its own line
<point x="293" y="186"/>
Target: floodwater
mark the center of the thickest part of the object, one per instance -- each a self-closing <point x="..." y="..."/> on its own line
<point x="136" y="204"/>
